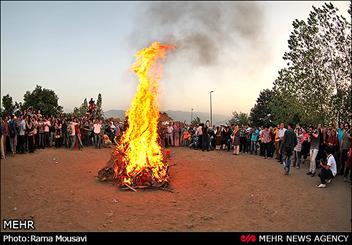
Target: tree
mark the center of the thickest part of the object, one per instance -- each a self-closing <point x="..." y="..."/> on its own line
<point x="8" y="105"/>
<point x="261" y="113"/>
<point x="315" y="87"/>
<point x="239" y="118"/>
<point x="195" y="121"/>
<point x="81" y="111"/>
<point x="99" y="104"/>
<point x="84" y="106"/>
<point x="320" y="58"/>
<point x="42" y="99"/>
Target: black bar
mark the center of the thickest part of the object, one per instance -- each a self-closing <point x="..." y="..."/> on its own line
<point x="177" y="237"/>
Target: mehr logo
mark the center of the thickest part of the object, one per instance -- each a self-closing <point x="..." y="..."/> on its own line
<point x="18" y="224"/>
<point x="248" y="238"/>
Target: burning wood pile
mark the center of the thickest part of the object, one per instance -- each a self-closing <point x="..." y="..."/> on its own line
<point x="138" y="161"/>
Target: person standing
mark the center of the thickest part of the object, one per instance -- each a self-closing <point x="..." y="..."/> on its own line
<point x="345" y="145"/>
<point x="52" y="131"/>
<point x="218" y="138"/>
<point x="65" y="137"/>
<point x="298" y="147"/>
<point x="78" y="134"/>
<point x="281" y="134"/>
<point x="169" y="135"/>
<point x="4" y="135"/>
<point x="205" y="139"/>
<point x="286" y="150"/>
<point x="332" y="140"/>
<point x="72" y="133"/>
<point x="85" y="133"/>
<point x="266" y="139"/>
<point x="47" y="126"/>
<point x="243" y="140"/>
<point x="13" y="132"/>
<point x="31" y="133"/>
<point x="176" y="134"/>
<point x="199" y="134"/>
<point x="41" y="126"/>
<point x="22" y="134"/>
<point x="236" y="140"/>
<point x="254" y="139"/>
<point x="118" y="133"/>
<point x="277" y="139"/>
<point x="34" y="120"/>
<point x="186" y="137"/>
<point x="96" y="129"/>
<point x="248" y="138"/>
<point x="58" y="133"/>
<point x="314" y="140"/>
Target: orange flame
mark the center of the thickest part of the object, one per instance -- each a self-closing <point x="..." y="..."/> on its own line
<point x="141" y="151"/>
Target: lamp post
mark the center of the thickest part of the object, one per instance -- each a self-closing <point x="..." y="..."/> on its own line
<point x="211" y="110"/>
<point x="191" y="115"/>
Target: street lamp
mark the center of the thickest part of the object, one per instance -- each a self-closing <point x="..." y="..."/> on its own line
<point x="191" y="115"/>
<point x="211" y="110"/>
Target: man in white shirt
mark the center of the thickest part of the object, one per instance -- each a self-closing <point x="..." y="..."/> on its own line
<point x="328" y="170"/>
<point x="282" y="130"/>
<point x="199" y="134"/>
<point x="73" y="134"/>
<point x="47" y="126"/>
<point x="169" y="134"/>
<point x="22" y="134"/>
<point x="96" y="130"/>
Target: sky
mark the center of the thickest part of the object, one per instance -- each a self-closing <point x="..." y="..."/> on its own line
<point x="80" y="49"/>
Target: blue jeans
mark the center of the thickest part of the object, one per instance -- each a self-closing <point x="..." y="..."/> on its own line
<point x="73" y="141"/>
<point x="253" y="147"/>
<point x="287" y="161"/>
<point x="97" y="140"/>
<point x="41" y="142"/>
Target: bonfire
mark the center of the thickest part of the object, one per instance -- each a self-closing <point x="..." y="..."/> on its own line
<point x="138" y="160"/>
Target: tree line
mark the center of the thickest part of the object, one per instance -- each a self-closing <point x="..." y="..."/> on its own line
<point x="47" y="101"/>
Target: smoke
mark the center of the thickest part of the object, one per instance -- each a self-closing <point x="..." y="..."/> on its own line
<point x="202" y="30"/>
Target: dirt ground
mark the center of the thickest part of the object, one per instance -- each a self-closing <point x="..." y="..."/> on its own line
<point x="213" y="191"/>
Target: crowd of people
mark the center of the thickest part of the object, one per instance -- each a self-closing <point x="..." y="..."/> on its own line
<point x="328" y="149"/>
<point x="30" y="131"/>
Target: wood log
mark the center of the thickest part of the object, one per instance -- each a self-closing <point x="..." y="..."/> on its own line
<point x="107" y="173"/>
<point x="130" y="187"/>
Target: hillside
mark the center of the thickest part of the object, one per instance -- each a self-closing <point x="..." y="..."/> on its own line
<point x="178" y="116"/>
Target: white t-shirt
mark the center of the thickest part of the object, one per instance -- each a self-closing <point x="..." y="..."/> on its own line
<point x="282" y="133"/>
<point x="47" y="124"/>
<point x="199" y="131"/>
<point x="22" y="127"/>
<point x="332" y="164"/>
<point x="97" y="128"/>
<point x="169" y="129"/>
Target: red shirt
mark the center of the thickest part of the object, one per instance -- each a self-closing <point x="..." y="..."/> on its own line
<point x="77" y="130"/>
<point x="331" y="139"/>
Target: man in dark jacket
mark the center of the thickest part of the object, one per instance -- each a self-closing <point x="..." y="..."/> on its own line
<point x="13" y="132"/>
<point x="287" y="146"/>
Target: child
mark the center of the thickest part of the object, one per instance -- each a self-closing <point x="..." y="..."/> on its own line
<point x="186" y="138"/>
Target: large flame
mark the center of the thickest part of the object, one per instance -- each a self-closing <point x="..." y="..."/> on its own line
<point x="139" y="159"/>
